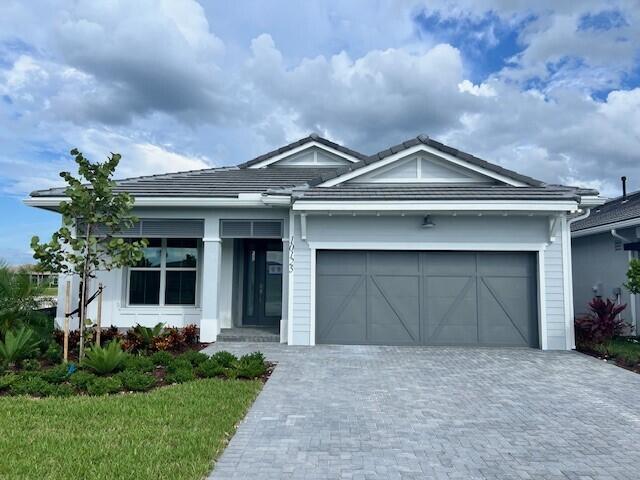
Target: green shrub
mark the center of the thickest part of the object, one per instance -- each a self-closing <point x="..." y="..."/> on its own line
<point x="30" y="364"/>
<point x="138" y="363"/>
<point x="105" y="360"/>
<point x="81" y="379"/>
<point x="53" y="353"/>
<point x="104" y="386"/>
<point x="230" y="373"/>
<point x="57" y="374"/>
<point x="179" y="364"/>
<point x="7" y="380"/>
<point x="18" y="344"/>
<point x="225" y="359"/>
<point x="136" y="381"/>
<point x="209" y="369"/>
<point x="251" y="366"/>
<point x="31" y="385"/>
<point x="180" y="375"/>
<point x="62" y="390"/>
<point x="195" y="357"/>
<point x="162" y="358"/>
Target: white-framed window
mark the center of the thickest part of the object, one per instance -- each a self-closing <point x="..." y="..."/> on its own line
<point x="167" y="275"/>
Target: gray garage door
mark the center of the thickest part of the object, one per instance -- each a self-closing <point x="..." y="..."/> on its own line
<point x="426" y="298"/>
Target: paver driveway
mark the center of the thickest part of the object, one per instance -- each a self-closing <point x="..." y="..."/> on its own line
<point x="332" y="412"/>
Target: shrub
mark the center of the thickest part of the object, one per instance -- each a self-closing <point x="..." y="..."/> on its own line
<point x="62" y="390"/>
<point x="104" y="385"/>
<point x="18" y="344"/>
<point x="162" y="358"/>
<point x="225" y="359"/>
<point x="81" y="379"/>
<point x="251" y="366"/>
<point x="190" y="334"/>
<point x="53" y="353"/>
<point x="633" y="277"/>
<point x="602" y="323"/>
<point x="196" y="358"/>
<point x="104" y="360"/>
<point x="7" y="380"/>
<point x="138" y="363"/>
<point x="231" y="373"/>
<point x="180" y="375"/>
<point x="173" y="340"/>
<point x="210" y="369"/>
<point x="111" y="333"/>
<point x="57" y="374"/>
<point x="74" y="338"/>
<point x="31" y="385"/>
<point x="144" y="337"/>
<point x="136" y="381"/>
<point x="179" y="364"/>
<point x="30" y="364"/>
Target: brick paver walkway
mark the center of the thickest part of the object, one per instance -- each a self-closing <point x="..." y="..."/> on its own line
<point x="332" y="412"/>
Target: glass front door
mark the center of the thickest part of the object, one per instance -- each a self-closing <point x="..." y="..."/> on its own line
<point x="262" y="283"/>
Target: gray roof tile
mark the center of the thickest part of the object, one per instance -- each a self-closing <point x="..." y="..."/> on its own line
<point x="616" y="210"/>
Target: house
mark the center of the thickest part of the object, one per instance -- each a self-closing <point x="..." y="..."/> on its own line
<point x="602" y="246"/>
<point x="419" y="244"/>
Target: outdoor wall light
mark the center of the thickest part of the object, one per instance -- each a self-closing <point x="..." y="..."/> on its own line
<point x="427" y="222"/>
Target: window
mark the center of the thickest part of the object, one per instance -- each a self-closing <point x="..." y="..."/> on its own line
<point x="167" y="275"/>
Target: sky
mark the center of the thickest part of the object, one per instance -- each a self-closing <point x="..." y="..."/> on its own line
<point x="550" y="89"/>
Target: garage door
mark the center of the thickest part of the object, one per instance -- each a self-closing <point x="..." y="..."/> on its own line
<point x="426" y="298"/>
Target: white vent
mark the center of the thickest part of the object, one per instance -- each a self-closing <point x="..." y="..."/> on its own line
<point x="250" y="228"/>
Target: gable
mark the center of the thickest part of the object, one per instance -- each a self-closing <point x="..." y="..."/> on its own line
<point x="422" y="168"/>
<point x="311" y="157"/>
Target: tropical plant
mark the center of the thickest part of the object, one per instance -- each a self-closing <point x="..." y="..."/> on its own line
<point x="147" y="335"/>
<point x="87" y="242"/>
<point x="136" y="381"/>
<point x="104" y="360"/>
<point x="633" y="277"/>
<point x="19" y="302"/>
<point x="162" y="358"/>
<point x="602" y="323"/>
<point x="251" y="366"/>
<point x="225" y="358"/>
<point x="104" y="386"/>
<point x="190" y="334"/>
<point x="17" y="345"/>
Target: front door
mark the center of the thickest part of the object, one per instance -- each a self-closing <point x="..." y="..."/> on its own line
<point x="262" y="283"/>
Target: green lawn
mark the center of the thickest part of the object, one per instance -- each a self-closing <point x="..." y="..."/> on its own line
<point x="621" y="347"/>
<point x="173" y="432"/>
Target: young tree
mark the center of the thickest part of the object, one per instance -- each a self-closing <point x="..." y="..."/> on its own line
<point x="633" y="276"/>
<point x="87" y="242"/>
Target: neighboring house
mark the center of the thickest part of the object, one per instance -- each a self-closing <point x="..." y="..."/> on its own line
<point x="603" y="244"/>
<point x="417" y="244"/>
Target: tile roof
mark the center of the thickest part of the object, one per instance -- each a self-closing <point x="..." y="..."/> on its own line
<point x="613" y="211"/>
<point x="213" y="182"/>
<point x="314" y="137"/>
<point x="439" y="192"/>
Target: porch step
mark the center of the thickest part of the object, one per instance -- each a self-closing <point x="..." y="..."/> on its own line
<point x="249" y="334"/>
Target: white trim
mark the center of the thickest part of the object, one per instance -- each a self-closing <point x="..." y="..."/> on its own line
<point x="301" y="148"/>
<point x="444" y="246"/>
<point x="416" y="149"/>
<point x="312" y="294"/>
<point x="212" y="239"/>
<point x="292" y="271"/>
<point x="435" y="206"/>
<point x="542" y="301"/>
<point x="303" y="226"/>
<point x="633" y="222"/>
<point x="251" y="201"/>
<point x="533" y="247"/>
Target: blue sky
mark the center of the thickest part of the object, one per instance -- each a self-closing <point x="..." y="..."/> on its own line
<point x="551" y="89"/>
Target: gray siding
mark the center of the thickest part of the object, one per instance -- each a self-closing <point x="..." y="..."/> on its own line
<point x="554" y="291"/>
<point x="596" y="261"/>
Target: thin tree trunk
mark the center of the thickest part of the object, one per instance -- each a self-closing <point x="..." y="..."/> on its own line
<point x="83" y="293"/>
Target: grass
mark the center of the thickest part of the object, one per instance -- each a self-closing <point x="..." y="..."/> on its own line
<point x="174" y="432"/>
<point x="622" y="348"/>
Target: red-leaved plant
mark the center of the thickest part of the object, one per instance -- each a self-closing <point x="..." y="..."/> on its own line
<point x="602" y="323"/>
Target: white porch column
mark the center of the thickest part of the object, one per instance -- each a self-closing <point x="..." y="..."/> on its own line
<point x="211" y="263"/>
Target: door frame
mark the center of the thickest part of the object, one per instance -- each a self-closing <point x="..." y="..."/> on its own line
<point x="260" y="272"/>
<point x="539" y="248"/>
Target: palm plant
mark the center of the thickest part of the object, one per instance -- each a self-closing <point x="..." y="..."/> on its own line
<point x="104" y="360"/>
<point x="17" y="345"/>
<point x="19" y="301"/>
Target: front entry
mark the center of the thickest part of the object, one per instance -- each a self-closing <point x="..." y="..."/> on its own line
<point x="262" y="304"/>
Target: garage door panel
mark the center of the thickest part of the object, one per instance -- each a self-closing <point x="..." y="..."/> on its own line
<point x="393" y="309"/>
<point x="450" y="310"/>
<point x="505" y="312"/>
<point x="432" y="298"/>
<point x="342" y="309"/>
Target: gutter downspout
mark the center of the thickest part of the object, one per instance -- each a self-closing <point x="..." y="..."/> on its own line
<point x="571" y="221"/>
